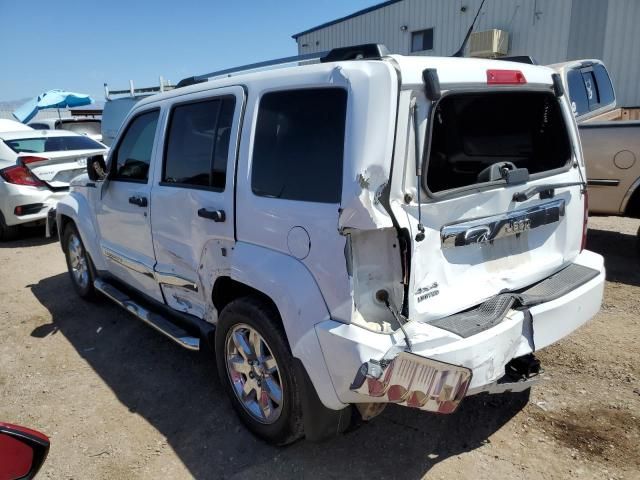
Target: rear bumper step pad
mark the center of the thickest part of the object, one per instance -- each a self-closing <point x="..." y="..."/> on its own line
<point x="492" y="312"/>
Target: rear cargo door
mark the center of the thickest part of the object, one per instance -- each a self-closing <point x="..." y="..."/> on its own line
<point x="502" y="204"/>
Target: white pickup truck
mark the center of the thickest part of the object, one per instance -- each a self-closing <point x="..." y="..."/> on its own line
<point x="346" y="234"/>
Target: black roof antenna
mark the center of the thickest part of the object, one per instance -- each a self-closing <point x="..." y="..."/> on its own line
<point x="460" y="52"/>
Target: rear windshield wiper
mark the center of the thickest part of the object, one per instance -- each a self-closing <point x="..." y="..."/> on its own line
<point x="545" y="191"/>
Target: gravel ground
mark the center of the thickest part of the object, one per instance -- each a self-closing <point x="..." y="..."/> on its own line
<point x="120" y="401"/>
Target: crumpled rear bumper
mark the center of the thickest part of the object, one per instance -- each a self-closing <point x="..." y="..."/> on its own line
<point x="347" y="348"/>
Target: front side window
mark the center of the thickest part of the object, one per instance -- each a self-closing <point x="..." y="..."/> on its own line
<point x="198" y="143"/>
<point x="132" y="157"/>
<point x="299" y="145"/>
<point x="422" y="40"/>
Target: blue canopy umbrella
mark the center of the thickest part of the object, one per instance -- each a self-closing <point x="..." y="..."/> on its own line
<point x="51" y="99"/>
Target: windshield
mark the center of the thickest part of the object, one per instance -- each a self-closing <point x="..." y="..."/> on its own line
<point x="52" y="144"/>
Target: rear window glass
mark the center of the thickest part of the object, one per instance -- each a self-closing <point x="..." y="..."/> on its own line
<point x="52" y="144"/>
<point x="474" y="136"/>
<point x="84" y="127"/>
<point x="299" y="145"/>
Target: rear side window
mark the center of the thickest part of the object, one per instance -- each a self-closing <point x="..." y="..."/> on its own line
<point x="605" y="89"/>
<point x="577" y="92"/>
<point x="133" y="155"/>
<point x="299" y="145"/>
<point x="198" y="143"/>
<point x="590" y="88"/>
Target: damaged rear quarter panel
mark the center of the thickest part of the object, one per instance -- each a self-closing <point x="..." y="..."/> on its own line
<point x="368" y="146"/>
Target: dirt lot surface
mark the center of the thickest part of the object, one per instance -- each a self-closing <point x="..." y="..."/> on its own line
<point x="119" y="401"/>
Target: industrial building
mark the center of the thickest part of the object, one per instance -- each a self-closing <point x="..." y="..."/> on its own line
<point x="551" y="31"/>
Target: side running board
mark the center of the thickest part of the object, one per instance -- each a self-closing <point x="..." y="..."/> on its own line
<point x="153" y="319"/>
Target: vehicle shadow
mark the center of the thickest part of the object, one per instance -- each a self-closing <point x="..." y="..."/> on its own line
<point x="178" y="393"/>
<point x="620" y="252"/>
<point x="29" y="237"/>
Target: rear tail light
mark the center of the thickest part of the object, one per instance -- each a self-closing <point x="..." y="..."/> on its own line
<point x="20" y="175"/>
<point x="505" y="77"/>
<point x="585" y="220"/>
<point x="416" y="382"/>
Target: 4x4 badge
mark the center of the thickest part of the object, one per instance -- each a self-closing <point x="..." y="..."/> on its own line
<point x="422" y="290"/>
<point x="429" y="291"/>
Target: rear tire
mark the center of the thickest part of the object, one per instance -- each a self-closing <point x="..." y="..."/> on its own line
<point x="256" y="370"/>
<point x="7" y="232"/>
<point x="79" y="263"/>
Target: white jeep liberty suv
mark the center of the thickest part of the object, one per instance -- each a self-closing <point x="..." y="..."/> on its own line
<point x="346" y="234"/>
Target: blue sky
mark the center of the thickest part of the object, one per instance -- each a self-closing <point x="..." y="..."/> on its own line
<point x="79" y="45"/>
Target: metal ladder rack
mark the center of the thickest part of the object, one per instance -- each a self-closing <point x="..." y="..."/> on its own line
<point x="132" y="92"/>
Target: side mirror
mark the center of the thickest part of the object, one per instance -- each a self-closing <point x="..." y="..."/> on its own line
<point x="22" y="452"/>
<point x="96" y="169"/>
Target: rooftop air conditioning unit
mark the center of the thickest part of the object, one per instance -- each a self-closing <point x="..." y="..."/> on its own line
<point x="489" y="44"/>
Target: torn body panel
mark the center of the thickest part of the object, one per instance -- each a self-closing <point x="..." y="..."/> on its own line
<point x="194" y="297"/>
<point x="369" y="148"/>
<point x="375" y="267"/>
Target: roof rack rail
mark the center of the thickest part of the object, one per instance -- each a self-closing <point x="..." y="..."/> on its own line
<point x="132" y="92"/>
<point x="367" y="51"/>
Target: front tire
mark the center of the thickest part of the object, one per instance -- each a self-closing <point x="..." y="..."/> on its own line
<point x="256" y="370"/>
<point x="78" y="263"/>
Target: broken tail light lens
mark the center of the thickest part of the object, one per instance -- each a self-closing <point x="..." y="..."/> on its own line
<point x="418" y="382"/>
<point x="20" y="175"/>
<point x="505" y="77"/>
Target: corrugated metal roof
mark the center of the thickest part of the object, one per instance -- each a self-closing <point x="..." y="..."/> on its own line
<point x="551" y="31"/>
<point x="342" y="19"/>
<point x="622" y="50"/>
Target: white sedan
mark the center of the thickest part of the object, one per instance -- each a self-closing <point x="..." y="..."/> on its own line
<point x="36" y="167"/>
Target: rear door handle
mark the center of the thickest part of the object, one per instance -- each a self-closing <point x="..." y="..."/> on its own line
<point x="138" y="200"/>
<point x="215" y="215"/>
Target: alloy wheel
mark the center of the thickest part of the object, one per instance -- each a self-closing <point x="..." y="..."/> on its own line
<point x="253" y="373"/>
<point x="78" y="261"/>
